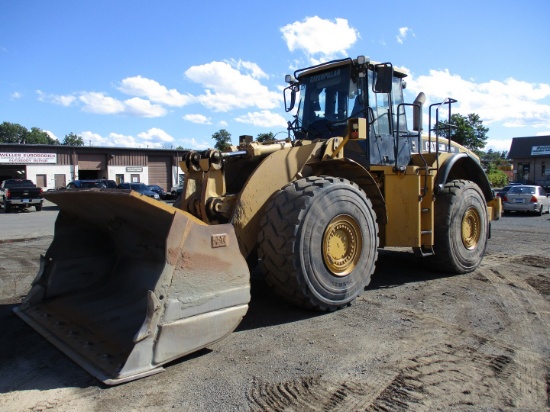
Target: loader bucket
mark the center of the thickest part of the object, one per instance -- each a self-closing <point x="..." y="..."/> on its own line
<point x="130" y="283"/>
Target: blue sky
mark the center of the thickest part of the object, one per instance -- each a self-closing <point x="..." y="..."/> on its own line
<point x="171" y="73"/>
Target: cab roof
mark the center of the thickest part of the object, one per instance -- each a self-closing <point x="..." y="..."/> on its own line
<point x="343" y="62"/>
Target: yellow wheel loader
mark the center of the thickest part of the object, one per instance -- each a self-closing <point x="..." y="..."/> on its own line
<point x="129" y="284"/>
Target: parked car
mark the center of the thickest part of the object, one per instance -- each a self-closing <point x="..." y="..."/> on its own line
<point x="91" y="183"/>
<point x="176" y="191"/>
<point x="505" y="189"/>
<point x="158" y="190"/>
<point x="526" y="198"/>
<point x="140" y="188"/>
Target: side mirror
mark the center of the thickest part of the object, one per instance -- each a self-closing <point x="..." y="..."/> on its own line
<point x="417" y="111"/>
<point x="290" y="97"/>
<point x="384" y="78"/>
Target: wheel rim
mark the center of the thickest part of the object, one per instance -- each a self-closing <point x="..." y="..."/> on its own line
<point x="342" y="244"/>
<point x="471" y="228"/>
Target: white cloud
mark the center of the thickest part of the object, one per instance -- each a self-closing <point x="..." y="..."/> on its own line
<point x="143" y="108"/>
<point x="403" y="32"/>
<point x="255" y="71"/>
<point x="156" y="136"/>
<point x="99" y="103"/>
<point x="15" y="96"/>
<point x="498" y="145"/>
<point x="264" y="118"/>
<point x="197" y="118"/>
<point x="154" y="91"/>
<point x="192" y="143"/>
<point x="320" y="39"/>
<point x="226" y="88"/>
<point x="229" y="85"/>
<point x="152" y="138"/>
<point x="111" y="140"/>
<point x="512" y="102"/>
<point x="547" y="133"/>
<point x="66" y="100"/>
<point x="62" y="100"/>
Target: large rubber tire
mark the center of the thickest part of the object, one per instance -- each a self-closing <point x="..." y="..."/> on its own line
<point x="318" y="242"/>
<point x="38" y="207"/>
<point x="7" y="208"/>
<point x="461" y="227"/>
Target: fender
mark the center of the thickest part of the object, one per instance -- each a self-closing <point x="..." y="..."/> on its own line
<point x="353" y="171"/>
<point x="463" y="166"/>
<point x="272" y="174"/>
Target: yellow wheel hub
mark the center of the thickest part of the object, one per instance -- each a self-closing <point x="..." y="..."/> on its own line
<point x="342" y="244"/>
<point x="471" y="228"/>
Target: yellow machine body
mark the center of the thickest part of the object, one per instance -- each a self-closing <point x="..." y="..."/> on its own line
<point x="130" y="283"/>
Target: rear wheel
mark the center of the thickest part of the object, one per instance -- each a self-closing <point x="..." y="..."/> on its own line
<point x="461" y="227"/>
<point x="38" y="207"/>
<point x="7" y="207"/>
<point x="318" y="242"/>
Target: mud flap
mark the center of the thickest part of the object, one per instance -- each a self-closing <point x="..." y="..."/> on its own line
<point x="130" y="283"/>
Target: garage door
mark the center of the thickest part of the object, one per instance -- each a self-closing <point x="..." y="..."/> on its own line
<point x="160" y="172"/>
<point x="93" y="161"/>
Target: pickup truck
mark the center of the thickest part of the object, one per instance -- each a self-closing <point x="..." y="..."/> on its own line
<point x="20" y="193"/>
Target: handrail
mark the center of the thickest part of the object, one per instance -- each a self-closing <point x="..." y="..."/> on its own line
<point x="448" y="101"/>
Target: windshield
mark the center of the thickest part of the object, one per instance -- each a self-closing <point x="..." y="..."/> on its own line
<point x="87" y="185"/>
<point x="328" y="98"/>
<point x="522" y="190"/>
<point x="326" y="101"/>
<point x="138" y="187"/>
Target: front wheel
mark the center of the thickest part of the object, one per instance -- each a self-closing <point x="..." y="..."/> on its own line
<point x="319" y="242"/>
<point x="461" y="227"/>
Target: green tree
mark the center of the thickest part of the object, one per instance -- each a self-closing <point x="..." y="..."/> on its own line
<point x="495" y="157"/>
<point x="73" y="139"/>
<point x="493" y="162"/>
<point x="223" y="140"/>
<point x="13" y="133"/>
<point x="265" y="137"/>
<point x="39" y="136"/>
<point x="466" y="130"/>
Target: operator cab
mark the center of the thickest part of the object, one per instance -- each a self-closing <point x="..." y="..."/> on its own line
<point x="331" y="93"/>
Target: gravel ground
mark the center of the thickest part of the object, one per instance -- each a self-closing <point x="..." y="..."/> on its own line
<point x="415" y="340"/>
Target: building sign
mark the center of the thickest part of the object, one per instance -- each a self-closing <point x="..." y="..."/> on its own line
<point x="134" y="169"/>
<point x="540" y="150"/>
<point x="24" y="158"/>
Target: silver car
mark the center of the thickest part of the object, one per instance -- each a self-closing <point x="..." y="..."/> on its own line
<point x="526" y="198"/>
